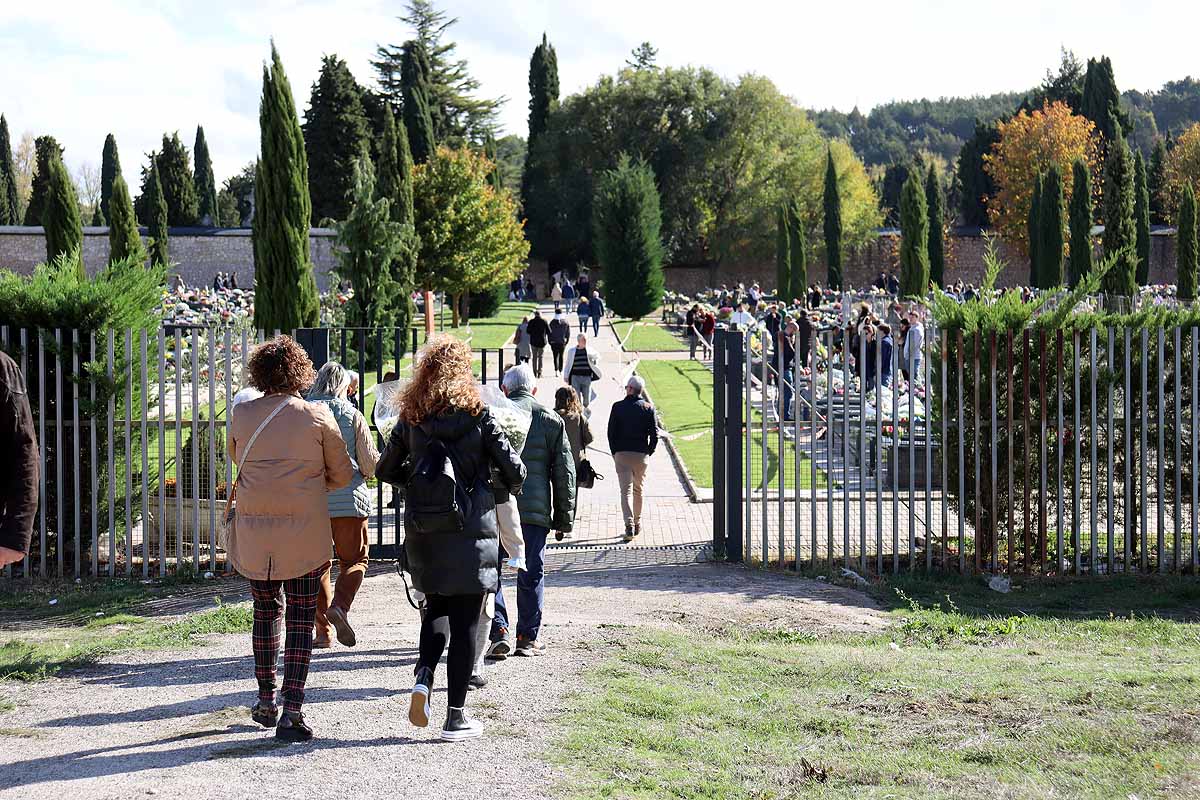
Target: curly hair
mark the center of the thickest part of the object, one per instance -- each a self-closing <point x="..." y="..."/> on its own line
<point x="566" y="402"/>
<point x="280" y="366"/>
<point x="442" y="381"/>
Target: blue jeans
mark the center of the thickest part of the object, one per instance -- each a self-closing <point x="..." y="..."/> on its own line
<point x="583" y="320"/>
<point x="595" y="324"/>
<point x="530" y="587"/>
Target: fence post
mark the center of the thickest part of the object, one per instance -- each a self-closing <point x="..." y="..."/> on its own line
<point x="719" y="464"/>
<point x="734" y="545"/>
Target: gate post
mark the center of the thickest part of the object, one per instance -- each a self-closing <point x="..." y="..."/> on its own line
<point x="315" y="342"/>
<point x="718" y="455"/>
<point x="727" y="444"/>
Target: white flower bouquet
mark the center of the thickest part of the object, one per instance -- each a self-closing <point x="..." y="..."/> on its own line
<point x="387" y="406"/>
<point x="513" y="420"/>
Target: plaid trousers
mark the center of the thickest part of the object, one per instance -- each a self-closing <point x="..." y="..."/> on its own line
<point x="301" y="596"/>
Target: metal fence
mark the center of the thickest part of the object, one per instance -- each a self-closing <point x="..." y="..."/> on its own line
<point x="1066" y="452"/>
<point x="133" y="426"/>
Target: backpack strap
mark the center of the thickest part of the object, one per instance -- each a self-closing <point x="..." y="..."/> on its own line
<point x="250" y="444"/>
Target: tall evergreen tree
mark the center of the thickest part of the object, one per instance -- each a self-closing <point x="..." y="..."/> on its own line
<point x="60" y="214"/>
<point x="833" y="223"/>
<point x="1141" y="218"/>
<point x="175" y="178"/>
<point x="206" y="184"/>
<point x="98" y="220"/>
<point x="286" y="296"/>
<point x="797" y="251"/>
<point x="1050" y="244"/>
<point x="974" y="180"/>
<point x="110" y="168"/>
<point x="914" y="239"/>
<point x="628" y="222"/>
<point x="124" y="240"/>
<point x="1186" y="253"/>
<point x="396" y="184"/>
<point x="368" y="242"/>
<point x="543" y="99"/>
<point x="47" y="149"/>
<point x="783" y="261"/>
<point x="10" y="204"/>
<point x="156" y="205"/>
<point x="1156" y="183"/>
<point x="414" y="78"/>
<point x="1120" y="232"/>
<point x="335" y="134"/>
<point x="1101" y="101"/>
<point x="937" y="245"/>
<point x="1032" y="228"/>
<point x="1081" y="221"/>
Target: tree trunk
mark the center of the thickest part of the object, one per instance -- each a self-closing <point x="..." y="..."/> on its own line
<point x="428" y="312"/>
<point x="455" y="299"/>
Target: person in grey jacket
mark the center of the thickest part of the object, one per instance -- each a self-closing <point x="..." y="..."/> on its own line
<point x="349" y="508"/>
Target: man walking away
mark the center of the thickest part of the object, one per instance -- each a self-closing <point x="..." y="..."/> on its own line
<point x="560" y="334"/>
<point x="597" y="312"/>
<point x="580" y="369"/>
<point x="632" y="437"/>
<point x="538" y="331"/>
<point x="546" y="502"/>
<point x="913" y="343"/>
<point x="690" y="322"/>
<point x="19" y="484"/>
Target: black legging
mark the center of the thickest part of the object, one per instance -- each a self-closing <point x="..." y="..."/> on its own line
<point x="453" y="617"/>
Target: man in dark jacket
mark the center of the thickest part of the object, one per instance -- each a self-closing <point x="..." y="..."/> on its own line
<point x="538" y="332"/>
<point x="632" y="438"/>
<point x="19" y="484"/>
<point x="547" y="502"/>
<point x="560" y="334"/>
<point x="597" y="312"/>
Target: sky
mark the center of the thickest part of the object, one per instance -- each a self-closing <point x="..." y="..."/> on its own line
<point x="80" y="69"/>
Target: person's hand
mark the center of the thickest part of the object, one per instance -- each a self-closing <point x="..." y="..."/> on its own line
<point x="9" y="556"/>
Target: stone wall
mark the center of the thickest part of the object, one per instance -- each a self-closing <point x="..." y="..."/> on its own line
<point x="198" y="253"/>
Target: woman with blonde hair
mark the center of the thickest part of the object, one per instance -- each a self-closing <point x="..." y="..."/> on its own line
<point x="289" y="455"/>
<point x="448" y="451"/>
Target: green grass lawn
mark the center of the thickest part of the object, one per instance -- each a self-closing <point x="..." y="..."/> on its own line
<point x="648" y="337"/>
<point x="1088" y="689"/>
<point x="682" y="392"/>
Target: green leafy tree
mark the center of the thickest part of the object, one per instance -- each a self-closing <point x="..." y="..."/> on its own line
<point x="543" y="100"/>
<point x="206" y="183"/>
<point x="396" y="184"/>
<point x="286" y="288"/>
<point x="914" y="239"/>
<point x="1186" y="253"/>
<point x="124" y="240"/>
<point x="783" y="261"/>
<point x="369" y="241"/>
<point x="1120" y="232"/>
<point x="178" y="187"/>
<point x="47" y="149"/>
<point x="60" y="215"/>
<point x="1081" y="222"/>
<point x="10" y="204"/>
<point x="1101" y="102"/>
<point x="832" y="223"/>
<point x="1050" y="244"/>
<point x="237" y="192"/>
<point x="110" y="169"/>
<point x="1156" y="181"/>
<point x="1141" y="218"/>
<point x="937" y="245"/>
<point x="335" y="135"/>
<point x="416" y="89"/>
<point x="1032" y="230"/>
<point x="628" y="235"/>
<point x="797" y="250"/>
<point x="156" y="203"/>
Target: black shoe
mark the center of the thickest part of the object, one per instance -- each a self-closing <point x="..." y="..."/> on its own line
<point x="418" y="700"/>
<point x="529" y="647"/>
<point x="459" y="726"/>
<point x="629" y="533"/>
<point x="292" y="728"/>
<point x="476" y="681"/>
<point x="637" y="529"/>
<point x="265" y="714"/>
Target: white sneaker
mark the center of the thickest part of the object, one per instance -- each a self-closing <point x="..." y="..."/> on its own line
<point x="418" y="705"/>
<point x="460" y="727"/>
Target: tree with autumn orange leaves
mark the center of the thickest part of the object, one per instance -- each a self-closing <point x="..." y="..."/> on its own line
<point x="1029" y="144"/>
<point x="1182" y="168"/>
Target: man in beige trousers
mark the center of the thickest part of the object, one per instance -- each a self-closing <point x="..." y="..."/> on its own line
<point x="632" y="437"/>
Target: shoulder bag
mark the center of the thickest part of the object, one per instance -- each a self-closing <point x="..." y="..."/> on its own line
<point x="228" y="522"/>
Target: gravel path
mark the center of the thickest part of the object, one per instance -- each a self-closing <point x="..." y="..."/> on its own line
<point x="174" y="722"/>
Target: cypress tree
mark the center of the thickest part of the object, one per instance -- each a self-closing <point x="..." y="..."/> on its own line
<point x="1141" y="218"/>
<point x="1156" y="181"/>
<point x="783" y="262"/>
<point x="1120" y="232"/>
<point x="975" y="181"/>
<point x="627" y="219"/>
<point x="283" y="271"/>
<point x="98" y="220"/>
<point x="418" y="119"/>
<point x="543" y="100"/>
<point x="396" y="184"/>
<point x="797" y="251"/>
<point x="1186" y="255"/>
<point x="914" y="239"/>
<point x="47" y="150"/>
<point x="1050" y="244"/>
<point x="1101" y="101"/>
<point x="1032" y="229"/>
<point x="110" y="168"/>
<point x="336" y="132"/>
<point x="368" y="240"/>
<point x="156" y="204"/>
<point x="206" y="185"/>
<point x="833" y="223"/>
<point x="937" y="246"/>
<point x="124" y="240"/>
<point x="60" y="214"/>
<point x="178" y="187"/>
<point x="10" y="204"/>
<point x="1081" y="221"/>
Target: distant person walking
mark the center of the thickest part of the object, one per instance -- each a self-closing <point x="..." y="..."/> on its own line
<point x="632" y="439"/>
<point x="349" y="507"/>
<point x="560" y="334"/>
<point x="914" y="343"/>
<point x="579" y="432"/>
<point x="580" y="369"/>
<point x="596" y="309"/>
<point x="538" y="332"/>
<point x="521" y="341"/>
<point x="290" y="454"/>
<point x="584" y="311"/>
<point x="19" y="485"/>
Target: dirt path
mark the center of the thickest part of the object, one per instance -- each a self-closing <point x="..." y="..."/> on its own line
<point x="174" y="723"/>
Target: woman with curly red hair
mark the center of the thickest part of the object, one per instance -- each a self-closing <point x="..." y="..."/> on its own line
<point x="452" y="549"/>
<point x="289" y="454"/>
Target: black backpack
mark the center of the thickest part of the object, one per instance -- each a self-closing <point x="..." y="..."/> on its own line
<point x="435" y="500"/>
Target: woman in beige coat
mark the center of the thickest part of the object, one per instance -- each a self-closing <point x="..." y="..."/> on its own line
<point x="281" y="538"/>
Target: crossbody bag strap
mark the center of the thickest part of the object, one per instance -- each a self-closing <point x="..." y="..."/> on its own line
<point x="250" y="444"/>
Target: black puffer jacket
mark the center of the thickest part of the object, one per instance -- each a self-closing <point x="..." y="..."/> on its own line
<point x="467" y="562"/>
